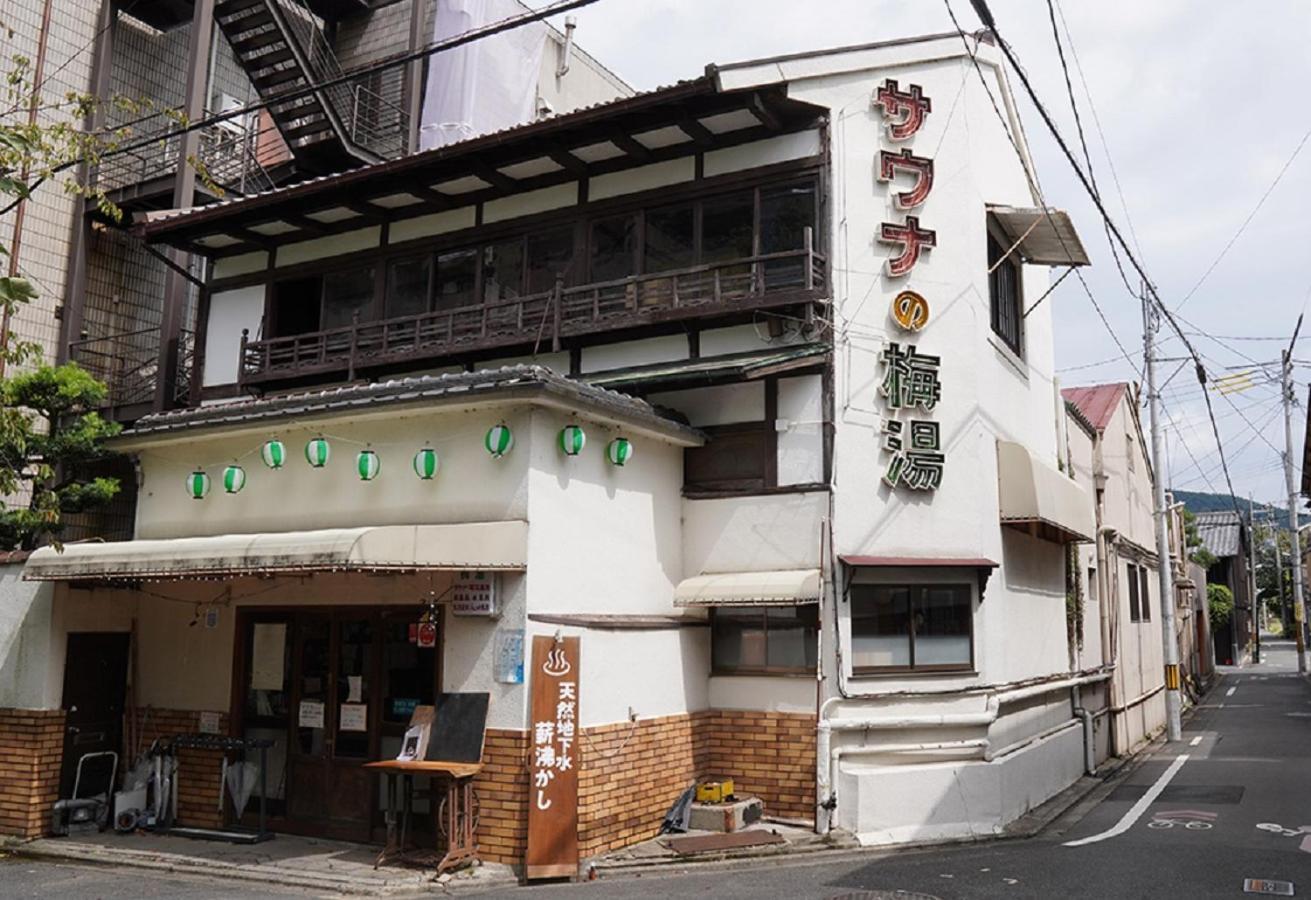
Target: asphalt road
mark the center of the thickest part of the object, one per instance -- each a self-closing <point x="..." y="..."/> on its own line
<point x="1231" y="801"/>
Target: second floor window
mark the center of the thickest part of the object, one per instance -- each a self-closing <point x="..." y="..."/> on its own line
<point x="1005" y="296"/>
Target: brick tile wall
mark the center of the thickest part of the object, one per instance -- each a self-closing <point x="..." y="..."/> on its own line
<point x="502" y="788"/>
<point x="631" y="774"/>
<point x="31" y="750"/>
<point x="770" y="755"/>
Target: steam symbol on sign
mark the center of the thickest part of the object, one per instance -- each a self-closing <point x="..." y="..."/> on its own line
<point x="910" y="311"/>
<point x="556" y="665"/>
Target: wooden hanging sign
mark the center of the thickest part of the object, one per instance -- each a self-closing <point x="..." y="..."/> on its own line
<point x="553" y="760"/>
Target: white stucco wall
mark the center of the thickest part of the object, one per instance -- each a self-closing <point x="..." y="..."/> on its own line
<point x="26" y="677"/>
<point x="230" y="313"/>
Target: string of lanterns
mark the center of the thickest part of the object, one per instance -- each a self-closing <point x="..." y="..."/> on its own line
<point x="498" y="442"/>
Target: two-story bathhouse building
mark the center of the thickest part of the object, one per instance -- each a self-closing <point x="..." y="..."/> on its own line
<point x="743" y="381"/>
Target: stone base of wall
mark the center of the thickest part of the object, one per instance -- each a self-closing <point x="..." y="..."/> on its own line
<point x="31" y="753"/>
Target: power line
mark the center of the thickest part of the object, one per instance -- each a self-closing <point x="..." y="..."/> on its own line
<point x="1032" y="177"/>
<point x="391" y="62"/>
<point x="1149" y="289"/>
<point x="1248" y="220"/>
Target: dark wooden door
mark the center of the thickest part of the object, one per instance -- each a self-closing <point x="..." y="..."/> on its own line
<point x="95" y="685"/>
<point x="329" y="792"/>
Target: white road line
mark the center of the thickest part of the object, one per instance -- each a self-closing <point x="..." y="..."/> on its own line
<point x="1230" y="692"/>
<point x="1195" y="741"/>
<point x="1136" y="811"/>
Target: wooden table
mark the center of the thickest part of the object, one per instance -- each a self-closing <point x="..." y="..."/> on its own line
<point x="460" y="839"/>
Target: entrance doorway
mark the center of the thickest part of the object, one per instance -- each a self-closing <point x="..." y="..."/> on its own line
<point x="95" y="687"/>
<point x="333" y="688"/>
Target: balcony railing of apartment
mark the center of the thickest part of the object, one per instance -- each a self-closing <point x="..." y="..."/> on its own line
<point x="128" y="364"/>
<point x="544" y="318"/>
<point x="227" y="156"/>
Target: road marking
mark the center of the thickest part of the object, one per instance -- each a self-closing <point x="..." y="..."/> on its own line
<point x="1136" y="811"/>
<point x="1195" y="741"/>
<point x="1230" y="692"/>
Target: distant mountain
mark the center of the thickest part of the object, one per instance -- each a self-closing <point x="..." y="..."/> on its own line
<point x="1204" y="501"/>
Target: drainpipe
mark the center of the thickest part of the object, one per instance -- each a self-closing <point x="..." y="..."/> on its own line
<point x="566" y="51"/>
<point x="1089" y="738"/>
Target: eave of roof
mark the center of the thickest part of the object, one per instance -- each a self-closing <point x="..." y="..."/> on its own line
<point x="505" y="385"/>
<point x="1097" y="402"/>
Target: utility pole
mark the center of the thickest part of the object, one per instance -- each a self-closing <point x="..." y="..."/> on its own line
<point x="1299" y="612"/>
<point x="1169" y="641"/>
<point x="1251" y="575"/>
<point x="1279" y="581"/>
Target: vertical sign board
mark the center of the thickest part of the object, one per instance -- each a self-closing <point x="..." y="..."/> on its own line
<point x="553" y="760"/>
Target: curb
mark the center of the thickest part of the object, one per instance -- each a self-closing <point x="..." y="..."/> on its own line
<point x="220" y="871"/>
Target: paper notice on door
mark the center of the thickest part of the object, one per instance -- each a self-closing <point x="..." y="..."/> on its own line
<point x="310" y="714"/>
<point x="356" y="683"/>
<point x="354" y="717"/>
<point x="268" y="647"/>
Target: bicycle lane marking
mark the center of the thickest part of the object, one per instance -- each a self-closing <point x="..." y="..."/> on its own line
<point x="1136" y="811"/>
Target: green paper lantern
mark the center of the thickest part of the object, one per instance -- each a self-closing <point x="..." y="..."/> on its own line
<point x="198" y="484"/>
<point x="499" y="440"/>
<point x="317" y="452"/>
<point x="234" y="478"/>
<point x="619" y="451"/>
<point x="426" y="463"/>
<point x="274" y="453"/>
<point x="572" y="440"/>
<point x="368" y="465"/>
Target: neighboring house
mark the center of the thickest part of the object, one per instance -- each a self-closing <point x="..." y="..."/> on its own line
<point x="1120" y="570"/>
<point x="1226" y="536"/>
<point x="786" y="459"/>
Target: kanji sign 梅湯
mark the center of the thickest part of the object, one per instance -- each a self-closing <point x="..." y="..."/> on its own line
<point x="553" y="761"/>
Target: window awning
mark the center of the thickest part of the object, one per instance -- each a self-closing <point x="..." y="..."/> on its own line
<point x="1045" y="237"/>
<point x="1040" y="500"/>
<point x="712" y="370"/>
<point x="386" y="548"/>
<point x="787" y="587"/>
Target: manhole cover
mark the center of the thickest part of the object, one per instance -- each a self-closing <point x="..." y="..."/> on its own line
<point x="1268" y="887"/>
<point x="1215" y="794"/>
<point x="883" y="895"/>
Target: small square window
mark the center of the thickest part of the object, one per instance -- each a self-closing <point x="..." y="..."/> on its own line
<point x="915" y="628"/>
<point x="775" y="639"/>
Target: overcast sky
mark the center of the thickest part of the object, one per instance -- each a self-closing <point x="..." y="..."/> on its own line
<point x="1202" y="106"/>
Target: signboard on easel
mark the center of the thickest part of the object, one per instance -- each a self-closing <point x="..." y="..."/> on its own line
<point x="553" y="760"/>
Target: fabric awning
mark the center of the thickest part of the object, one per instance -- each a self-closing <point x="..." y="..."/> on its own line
<point x="1046" y="236"/>
<point x="787" y="587"/>
<point x="385" y="548"/>
<point x="1040" y="500"/>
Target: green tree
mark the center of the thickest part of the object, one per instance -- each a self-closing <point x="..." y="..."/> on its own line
<point x="50" y="435"/>
<point x="1220" y="600"/>
<point x="1197" y="552"/>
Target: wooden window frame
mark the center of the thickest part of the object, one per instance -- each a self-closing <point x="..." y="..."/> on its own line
<point x="717" y="670"/>
<point x="1135" y="604"/>
<point x="966" y="668"/>
<point x="580" y="217"/>
<point x="994" y="306"/>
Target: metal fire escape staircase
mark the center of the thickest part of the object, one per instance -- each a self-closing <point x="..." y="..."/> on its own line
<point x="285" y="53"/>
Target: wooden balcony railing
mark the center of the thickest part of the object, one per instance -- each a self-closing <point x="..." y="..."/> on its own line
<point x="541" y="319"/>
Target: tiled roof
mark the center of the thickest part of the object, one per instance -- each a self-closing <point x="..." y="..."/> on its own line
<point x="428" y="389"/>
<point x="1096" y="402"/>
<point x="1220" y="532"/>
